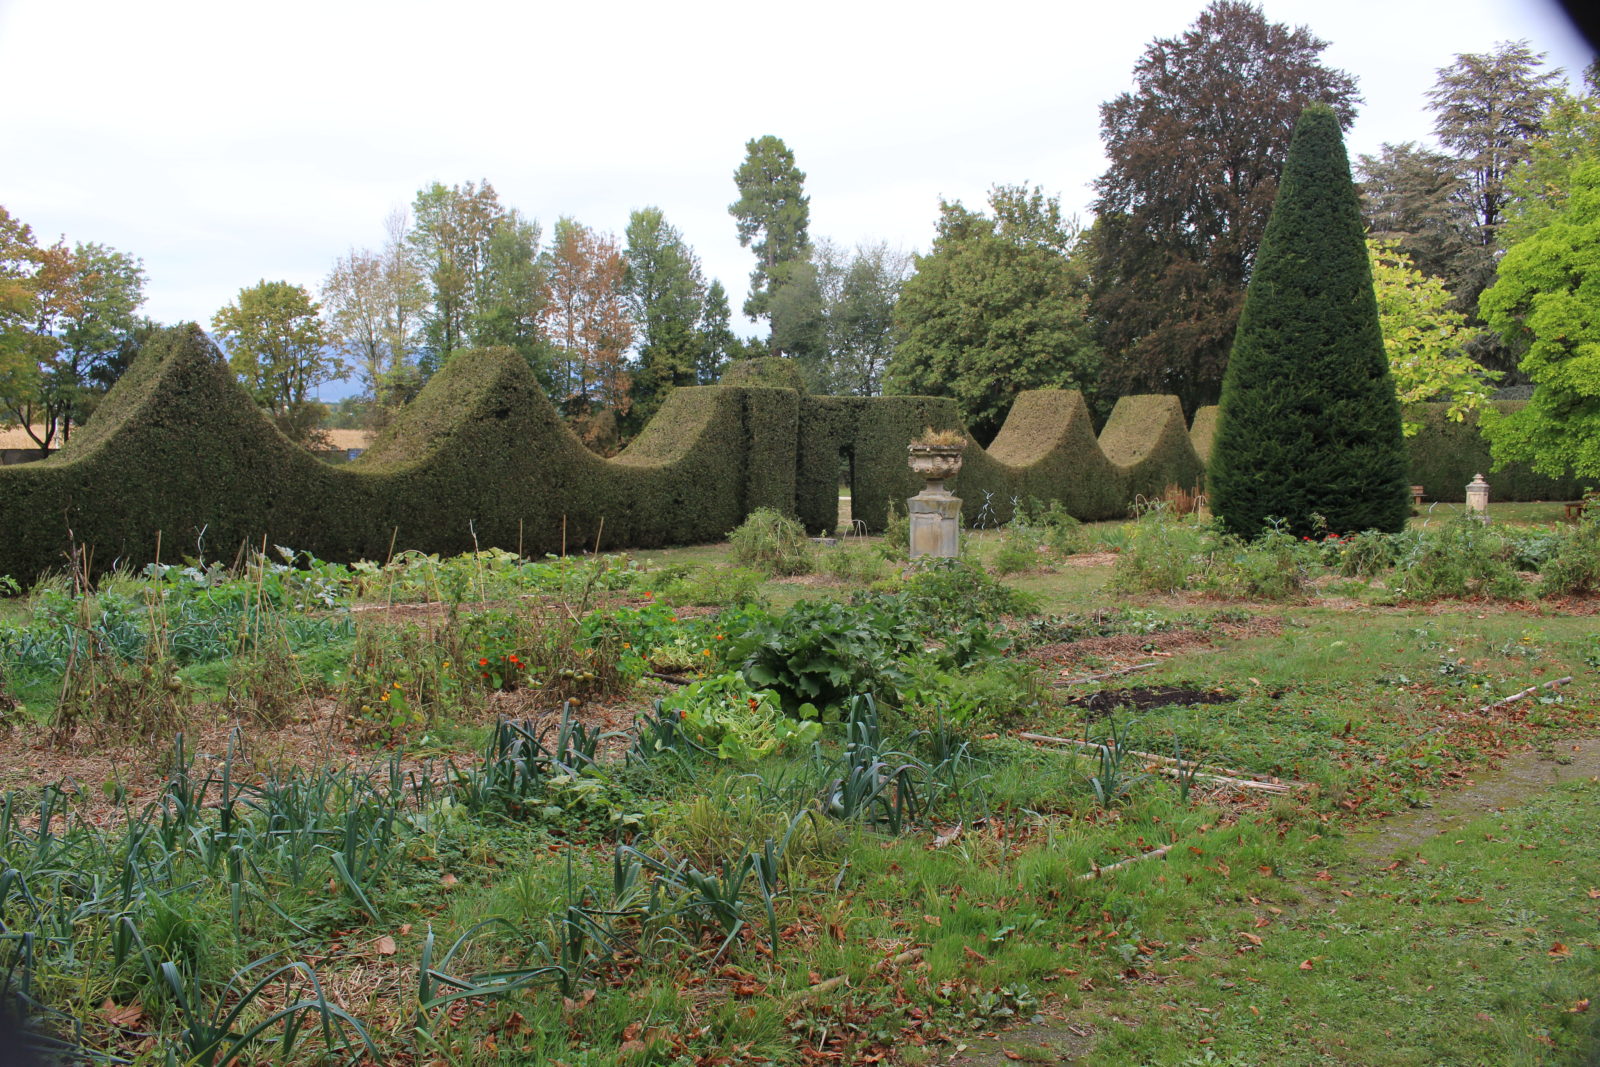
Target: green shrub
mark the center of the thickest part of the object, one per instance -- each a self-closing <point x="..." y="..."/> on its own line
<point x="1575" y="569"/>
<point x="1018" y="551"/>
<point x="856" y="564"/>
<point x="725" y="716"/>
<point x="820" y="653"/>
<point x="992" y="694"/>
<point x="1309" y="424"/>
<point x="1275" y="566"/>
<point x="1161" y="552"/>
<point x="952" y="592"/>
<point x="774" y="543"/>
<point x="1460" y="558"/>
<point x="1363" y="555"/>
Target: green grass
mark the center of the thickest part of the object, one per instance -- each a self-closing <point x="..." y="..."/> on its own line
<point x="1373" y="705"/>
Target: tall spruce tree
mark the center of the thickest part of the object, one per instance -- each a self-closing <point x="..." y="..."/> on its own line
<point x="1309" y="423"/>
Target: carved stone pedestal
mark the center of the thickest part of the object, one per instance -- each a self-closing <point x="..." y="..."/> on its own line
<point x="935" y="512"/>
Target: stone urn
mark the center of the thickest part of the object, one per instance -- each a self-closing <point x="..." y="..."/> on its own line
<point x="936" y="463"/>
<point x="934" y="512"/>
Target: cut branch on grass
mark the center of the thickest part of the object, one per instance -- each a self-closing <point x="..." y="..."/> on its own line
<point x="1113" y="867"/>
<point x="1528" y="692"/>
<point x="1175" y="768"/>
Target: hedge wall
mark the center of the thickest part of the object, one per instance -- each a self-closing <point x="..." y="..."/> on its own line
<point x="1147" y="439"/>
<point x="176" y="451"/>
<point x="1444" y="455"/>
<point x="1203" y="431"/>
<point x="480" y="457"/>
<point x="179" y="451"/>
<point x="1046" y="450"/>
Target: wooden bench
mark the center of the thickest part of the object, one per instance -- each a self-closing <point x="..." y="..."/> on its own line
<point x="1576" y="509"/>
<point x="1416" y="496"/>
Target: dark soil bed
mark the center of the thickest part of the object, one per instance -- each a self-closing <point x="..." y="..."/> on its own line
<point x="1143" y="698"/>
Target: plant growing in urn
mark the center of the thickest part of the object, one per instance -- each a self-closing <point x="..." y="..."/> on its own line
<point x="936" y="456"/>
<point x="934" y="512"/>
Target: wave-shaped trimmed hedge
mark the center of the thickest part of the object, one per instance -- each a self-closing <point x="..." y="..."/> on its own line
<point x="479" y="458"/>
<point x="180" y="462"/>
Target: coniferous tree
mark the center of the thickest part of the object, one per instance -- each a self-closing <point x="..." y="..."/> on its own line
<point x="1309" y="423"/>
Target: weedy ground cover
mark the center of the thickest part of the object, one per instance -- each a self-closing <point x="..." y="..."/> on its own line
<point x="670" y="810"/>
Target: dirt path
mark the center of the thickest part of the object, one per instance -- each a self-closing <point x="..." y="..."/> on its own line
<point x="1514" y="782"/>
<point x="1517" y="780"/>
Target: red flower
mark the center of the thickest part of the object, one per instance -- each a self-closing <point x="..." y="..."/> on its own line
<point x="483" y="662"/>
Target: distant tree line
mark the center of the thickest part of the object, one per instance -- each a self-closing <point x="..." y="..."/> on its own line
<point x="1008" y="297"/>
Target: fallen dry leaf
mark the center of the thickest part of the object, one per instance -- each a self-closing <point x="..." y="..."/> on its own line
<point x="448" y="879"/>
<point x="1559" y="951"/>
<point x="1252" y="938"/>
<point x="384" y="946"/>
<point x="1580" y="1006"/>
<point x="126" y="1018"/>
<point x="1306" y="965"/>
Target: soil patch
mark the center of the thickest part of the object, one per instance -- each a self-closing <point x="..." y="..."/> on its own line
<point x="1143" y="698"/>
<point x="108" y="779"/>
<point x="1058" y="1043"/>
<point x="1123" y="649"/>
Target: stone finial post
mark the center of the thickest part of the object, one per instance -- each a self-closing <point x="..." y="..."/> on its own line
<point x="1478" y="497"/>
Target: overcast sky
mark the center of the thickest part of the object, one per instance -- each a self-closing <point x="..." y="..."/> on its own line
<point x="228" y="143"/>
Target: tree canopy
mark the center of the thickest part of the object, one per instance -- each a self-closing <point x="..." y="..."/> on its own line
<point x="66" y="316"/>
<point x="665" y="291"/>
<point x="1546" y="300"/>
<point x="1425" y="337"/>
<point x="1195" y="152"/>
<point x="994" y="308"/>
<point x="275" y="341"/>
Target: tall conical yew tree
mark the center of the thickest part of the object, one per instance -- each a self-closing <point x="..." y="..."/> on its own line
<point x="1309" y="422"/>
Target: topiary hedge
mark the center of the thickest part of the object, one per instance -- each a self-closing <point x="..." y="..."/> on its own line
<point x="1203" y="430"/>
<point x="179" y="455"/>
<point x="1444" y="455"/>
<point x="1147" y="440"/>
<point x="179" y="451"/>
<point x="1046" y="450"/>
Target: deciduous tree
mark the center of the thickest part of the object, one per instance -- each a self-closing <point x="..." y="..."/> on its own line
<point x="1309" y="428"/>
<point x="1546" y="301"/>
<point x="1424" y="336"/>
<point x="372" y="304"/>
<point x="995" y="307"/>
<point x="1196" y="150"/>
<point x="64" y="315"/>
<point x="276" y="345"/>
<point x="586" y="319"/>
<point x="449" y="245"/>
